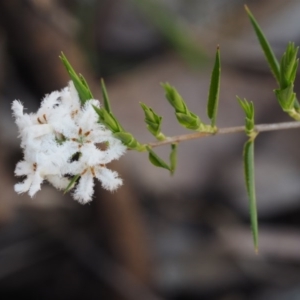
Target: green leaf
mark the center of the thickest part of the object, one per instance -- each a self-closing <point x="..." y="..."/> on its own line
<point x="105" y="97"/>
<point x="85" y="84"/>
<point x="173" y="158"/>
<point x="248" y="157"/>
<point x="184" y="116"/>
<point x="128" y="140"/>
<point x="80" y="84"/>
<point x="125" y="137"/>
<point x="174" y="98"/>
<point x="189" y="121"/>
<point x="288" y="66"/>
<point x="294" y="72"/>
<point x="153" y="121"/>
<point x="248" y="108"/>
<point x="156" y="160"/>
<point x="71" y="183"/>
<point x="286" y="97"/>
<point x="108" y="119"/>
<point x="269" y="54"/>
<point x="213" y="97"/>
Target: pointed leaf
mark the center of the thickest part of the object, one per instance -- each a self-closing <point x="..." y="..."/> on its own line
<point x="83" y="81"/>
<point x="269" y="54"/>
<point x="288" y="64"/>
<point x="188" y="121"/>
<point x="248" y="108"/>
<point x="248" y="157"/>
<point x="79" y="82"/>
<point x="213" y="97"/>
<point x="174" y="98"/>
<point x="292" y="60"/>
<point x="173" y="158"/>
<point x="153" y="121"/>
<point x="156" y="160"/>
<point x="294" y="72"/>
<point x="108" y="119"/>
<point x="105" y="97"/>
<point x="243" y="104"/>
<point x="286" y="97"/>
<point x="71" y="183"/>
<point x="129" y="140"/>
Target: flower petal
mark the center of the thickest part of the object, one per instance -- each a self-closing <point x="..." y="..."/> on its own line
<point x="109" y="179"/>
<point x="85" y="188"/>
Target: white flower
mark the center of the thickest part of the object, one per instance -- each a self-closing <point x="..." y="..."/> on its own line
<point x="60" y="141"/>
<point x="35" y="177"/>
<point x="33" y="181"/>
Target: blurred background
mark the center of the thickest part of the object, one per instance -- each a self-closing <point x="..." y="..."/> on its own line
<point x="185" y="237"/>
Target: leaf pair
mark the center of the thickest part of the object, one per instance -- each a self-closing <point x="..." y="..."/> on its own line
<point x="285" y="93"/>
<point x="184" y="116"/>
<point x="158" y="162"/>
<point x="107" y="118"/>
<point x="248" y="109"/>
<point x="288" y="66"/>
<point x="153" y="121"/>
<point x="284" y="72"/>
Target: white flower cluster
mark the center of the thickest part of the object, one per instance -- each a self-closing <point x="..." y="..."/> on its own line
<point x="63" y="139"/>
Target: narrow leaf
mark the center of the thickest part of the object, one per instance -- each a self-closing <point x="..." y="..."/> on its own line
<point x="153" y="121"/>
<point x="213" y="97"/>
<point x="108" y="119"/>
<point x="174" y="98"/>
<point x="79" y="82"/>
<point x="189" y="121"/>
<point x="156" y="160"/>
<point x="248" y="157"/>
<point x="292" y="61"/>
<point x="269" y="54"/>
<point x="83" y="81"/>
<point x="248" y="109"/>
<point x="286" y="97"/>
<point x="294" y="71"/>
<point x="243" y="104"/>
<point x="105" y="97"/>
<point x="71" y="183"/>
<point x="173" y="158"/>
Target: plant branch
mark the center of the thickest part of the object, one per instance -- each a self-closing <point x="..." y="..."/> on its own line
<point x="197" y="135"/>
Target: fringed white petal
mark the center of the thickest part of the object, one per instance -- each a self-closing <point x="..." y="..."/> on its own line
<point x="24" y="186"/>
<point x="109" y="179"/>
<point x="37" y="180"/>
<point x="85" y="188"/>
<point x="23" y="168"/>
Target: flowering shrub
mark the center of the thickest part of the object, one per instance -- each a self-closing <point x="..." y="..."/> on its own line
<point x="61" y="141"/>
